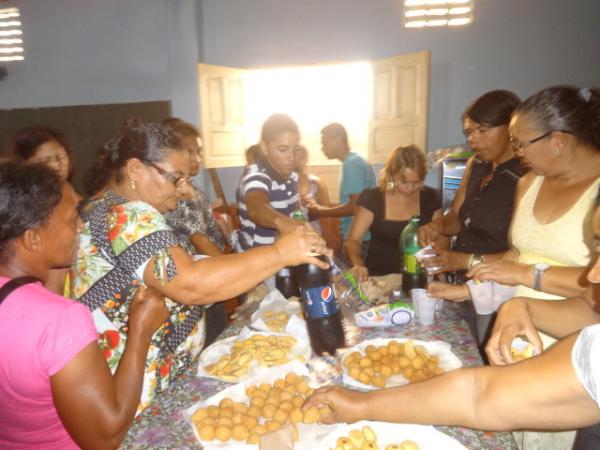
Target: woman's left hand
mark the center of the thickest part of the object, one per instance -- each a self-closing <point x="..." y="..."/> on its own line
<point x="501" y="271"/>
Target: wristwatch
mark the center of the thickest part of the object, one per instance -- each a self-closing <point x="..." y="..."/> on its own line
<point x="538" y="271"/>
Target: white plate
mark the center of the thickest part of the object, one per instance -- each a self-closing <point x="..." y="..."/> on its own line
<point x="213" y="354"/>
<point x="447" y="360"/>
<point x="310" y="435"/>
<point x="426" y="437"/>
<point x="275" y="302"/>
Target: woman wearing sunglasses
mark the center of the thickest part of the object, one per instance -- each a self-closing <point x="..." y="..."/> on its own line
<point x="126" y="243"/>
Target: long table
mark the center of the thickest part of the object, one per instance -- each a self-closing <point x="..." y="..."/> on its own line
<point x="162" y="425"/>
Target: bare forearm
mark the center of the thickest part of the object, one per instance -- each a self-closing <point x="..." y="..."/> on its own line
<point x="449" y="224"/>
<point x="438" y="401"/>
<point x="204" y="246"/>
<point x="563" y="281"/>
<point x="347" y="209"/>
<point x="223" y="277"/>
<point x="128" y="379"/>
<point x="540" y="393"/>
<point x="354" y="252"/>
<point x="266" y="216"/>
<point x="574" y="313"/>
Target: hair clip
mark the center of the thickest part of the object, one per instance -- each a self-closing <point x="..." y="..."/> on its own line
<point x="585" y="94"/>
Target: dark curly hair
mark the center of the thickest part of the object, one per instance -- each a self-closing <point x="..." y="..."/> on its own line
<point x="28" y="195"/>
<point x="24" y="143"/>
<point x="149" y="142"/>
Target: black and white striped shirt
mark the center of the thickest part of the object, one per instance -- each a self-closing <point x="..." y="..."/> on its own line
<point x="283" y="197"/>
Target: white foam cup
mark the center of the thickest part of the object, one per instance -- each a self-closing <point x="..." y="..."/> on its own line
<point x="502" y="293"/>
<point x="482" y="294"/>
<point x="424" y="306"/>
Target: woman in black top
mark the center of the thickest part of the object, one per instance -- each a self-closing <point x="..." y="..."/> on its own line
<point x="482" y="210"/>
<point x="385" y="210"/>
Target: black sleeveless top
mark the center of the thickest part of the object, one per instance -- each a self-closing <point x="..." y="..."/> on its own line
<point x="384" y="255"/>
<point x="486" y="212"/>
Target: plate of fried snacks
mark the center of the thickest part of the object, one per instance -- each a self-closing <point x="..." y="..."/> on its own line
<point x="367" y="435"/>
<point x="276" y="314"/>
<point x="237" y="417"/>
<point x="249" y="353"/>
<point x="381" y="363"/>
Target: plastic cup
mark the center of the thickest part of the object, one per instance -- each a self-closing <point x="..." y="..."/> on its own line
<point x="502" y="293"/>
<point x="424" y="306"/>
<point x="482" y="294"/>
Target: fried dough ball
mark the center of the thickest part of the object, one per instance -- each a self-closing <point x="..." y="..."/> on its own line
<point x="206" y="432"/>
<point x="223" y="433"/>
<point x="311" y="415"/>
<point x="239" y="432"/>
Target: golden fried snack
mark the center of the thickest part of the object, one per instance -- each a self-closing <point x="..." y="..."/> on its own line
<point x="379" y="363"/>
<point x="366" y="439"/>
<point x="270" y="407"/>
<point x="276" y="321"/>
<point x="266" y="350"/>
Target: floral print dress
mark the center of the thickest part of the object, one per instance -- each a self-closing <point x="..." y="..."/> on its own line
<point x="118" y="240"/>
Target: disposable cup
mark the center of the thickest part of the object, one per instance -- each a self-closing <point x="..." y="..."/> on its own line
<point x="502" y="293"/>
<point x="424" y="306"/>
<point x="482" y="294"/>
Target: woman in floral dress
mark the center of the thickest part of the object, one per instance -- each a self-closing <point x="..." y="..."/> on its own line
<point x="126" y="243"/>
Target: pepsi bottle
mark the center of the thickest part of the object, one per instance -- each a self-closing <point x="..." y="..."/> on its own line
<point x="323" y="318"/>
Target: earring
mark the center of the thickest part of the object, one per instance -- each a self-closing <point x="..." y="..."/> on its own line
<point x="390" y="185"/>
<point x="132" y="184"/>
<point x="557" y="152"/>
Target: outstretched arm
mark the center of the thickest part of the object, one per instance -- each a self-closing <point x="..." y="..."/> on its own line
<point x="96" y="407"/>
<point x="540" y="393"/>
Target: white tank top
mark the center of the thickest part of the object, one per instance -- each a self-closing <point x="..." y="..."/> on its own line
<point x="567" y="241"/>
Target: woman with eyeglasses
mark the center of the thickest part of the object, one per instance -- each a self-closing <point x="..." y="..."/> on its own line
<point x="42" y="145"/>
<point x="387" y="209"/>
<point x="47" y="146"/>
<point x="126" y="242"/>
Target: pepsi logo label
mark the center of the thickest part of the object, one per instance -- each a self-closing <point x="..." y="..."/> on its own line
<point x="327" y="294"/>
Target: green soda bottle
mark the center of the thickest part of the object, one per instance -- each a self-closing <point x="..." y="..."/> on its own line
<point x="413" y="276"/>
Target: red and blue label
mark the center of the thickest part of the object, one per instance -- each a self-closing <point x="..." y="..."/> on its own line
<point x="319" y="301"/>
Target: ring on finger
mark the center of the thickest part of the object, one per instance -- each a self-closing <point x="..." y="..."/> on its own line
<point x="313" y="249"/>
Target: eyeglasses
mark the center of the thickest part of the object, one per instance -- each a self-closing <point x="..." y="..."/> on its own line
<point x="520" y="146"/>
<point x="178" y="181"/>
<point x="58" y="159"/>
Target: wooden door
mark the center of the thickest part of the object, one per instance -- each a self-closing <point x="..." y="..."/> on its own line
<point x="400" y="102"/>
<point x="222" y="115"/>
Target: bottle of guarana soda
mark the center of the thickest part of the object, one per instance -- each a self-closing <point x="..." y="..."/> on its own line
<point x="413" y="276"/>
<point x="323" y="318"/>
